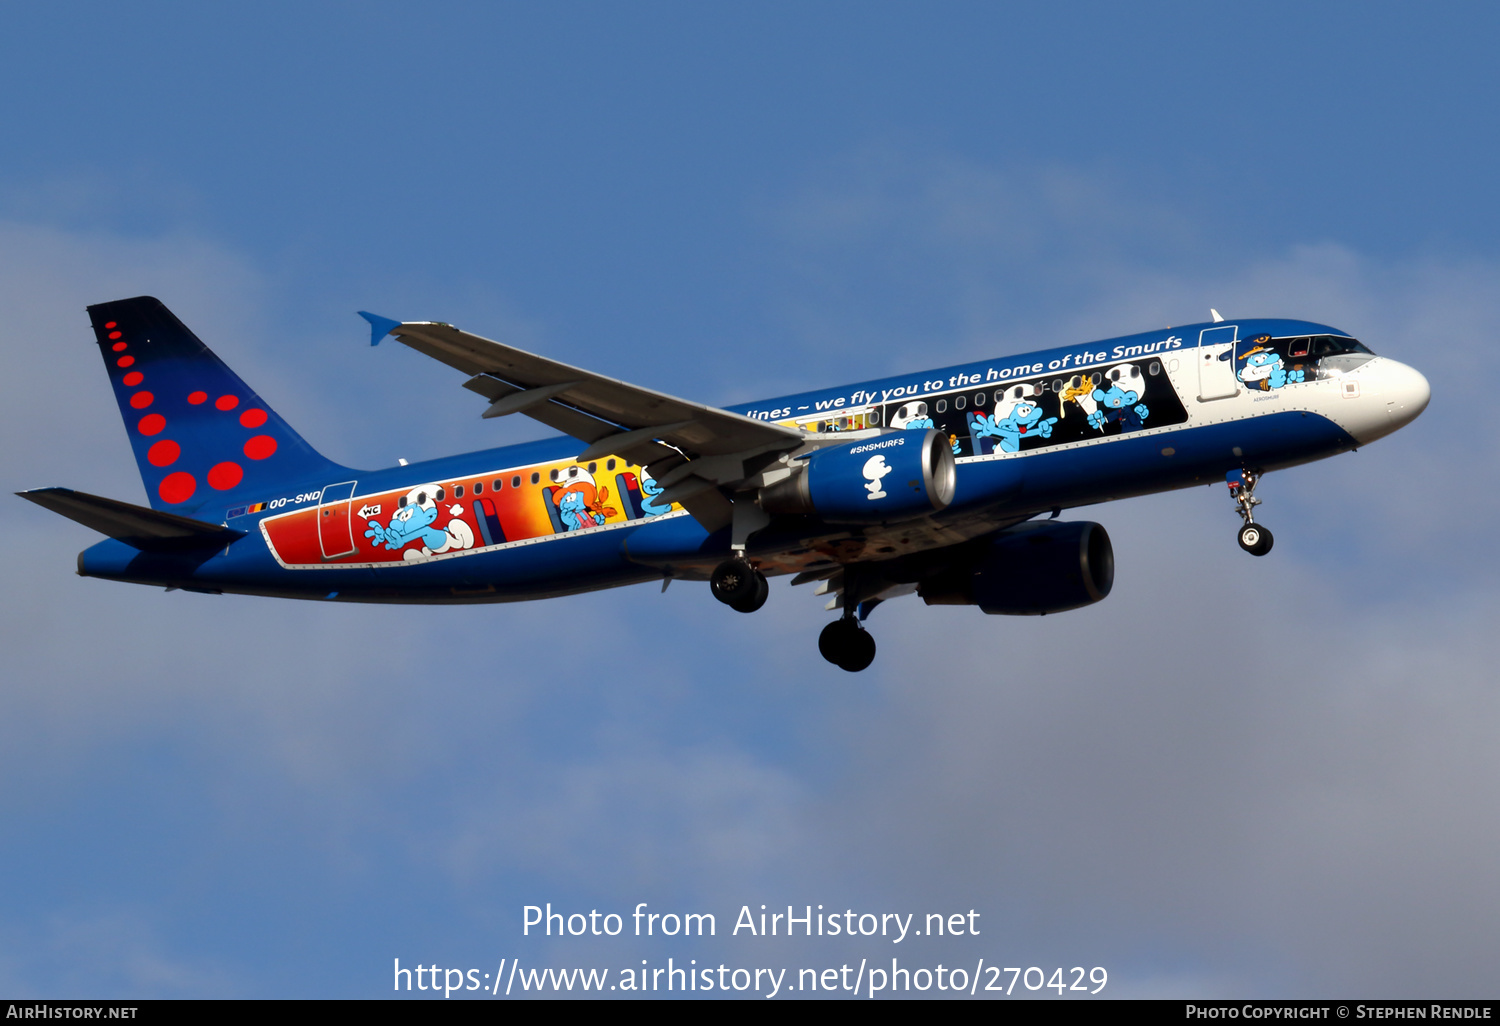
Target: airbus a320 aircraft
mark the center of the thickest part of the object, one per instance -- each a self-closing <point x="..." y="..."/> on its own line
<point x="946" y="484"/>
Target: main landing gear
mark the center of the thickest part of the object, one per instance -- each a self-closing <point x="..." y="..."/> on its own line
<point x="1254" y="538"/>
<point x="739" y="585"/>
<point x="846" y="644"/>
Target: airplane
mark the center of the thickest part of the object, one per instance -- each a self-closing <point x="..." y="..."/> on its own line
<point x="947" y="484"/>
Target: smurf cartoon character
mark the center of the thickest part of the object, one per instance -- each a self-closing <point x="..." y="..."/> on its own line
<point x="1263" y="368"/>
<point x="914" y="416"/>
<point x="416" y="513"/>
<point x="579" y="501"/>
<point x="1120" y="402"/>
<point x="1016" y="416"/>
<point x="876" y="468"/>
<point x="649" y="491"/>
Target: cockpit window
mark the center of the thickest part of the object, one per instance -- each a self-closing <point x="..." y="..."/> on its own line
<point x="1335" y="345"/>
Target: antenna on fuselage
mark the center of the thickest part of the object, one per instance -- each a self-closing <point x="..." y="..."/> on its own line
<point x="1216" y="315"/>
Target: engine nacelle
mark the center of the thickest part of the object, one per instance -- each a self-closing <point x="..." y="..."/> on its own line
<point x="893" y="477"/>
<point x="1030" y="570"/>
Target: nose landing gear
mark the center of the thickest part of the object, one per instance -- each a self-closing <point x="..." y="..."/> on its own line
<point x="1254" y="538"/>
<point x="739" y="585"/>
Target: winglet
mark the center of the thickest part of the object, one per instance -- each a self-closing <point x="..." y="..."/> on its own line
<point x="380" y="326"/>
<point x="1214" y="313"/>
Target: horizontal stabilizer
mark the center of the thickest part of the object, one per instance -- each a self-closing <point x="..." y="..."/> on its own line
<point x="146" y="529"/>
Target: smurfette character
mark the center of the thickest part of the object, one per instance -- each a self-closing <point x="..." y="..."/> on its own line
<point x="579" y="501"/>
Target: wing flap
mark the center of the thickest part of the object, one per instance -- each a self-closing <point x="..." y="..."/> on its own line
<point x="146" y="529"/>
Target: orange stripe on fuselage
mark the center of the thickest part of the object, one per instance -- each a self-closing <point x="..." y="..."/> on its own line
<point x="522" y="512"/>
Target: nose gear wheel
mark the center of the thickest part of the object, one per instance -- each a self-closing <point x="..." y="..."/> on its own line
<point x="1254" y="538"/>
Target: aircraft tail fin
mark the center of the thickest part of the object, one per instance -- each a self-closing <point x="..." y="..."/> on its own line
<point x="199" y="433"/>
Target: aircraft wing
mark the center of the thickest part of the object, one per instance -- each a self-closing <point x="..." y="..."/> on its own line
<point x="688" y="447"/>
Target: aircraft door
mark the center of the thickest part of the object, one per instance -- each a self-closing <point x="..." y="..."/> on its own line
<point x="335" y="521"/>
<point x="1216" y="378"/>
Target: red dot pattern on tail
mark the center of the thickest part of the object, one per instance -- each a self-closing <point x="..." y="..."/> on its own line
<point x="260" y="447"/>
<point x="225" y="476"/>
<point x="180" y="486"/>
<point x="164" y="453"/>
<point x="177" y="488"/>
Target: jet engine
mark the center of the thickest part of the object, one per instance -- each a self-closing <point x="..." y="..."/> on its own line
<point x="886" y="479"/>
<point x="1031" y="569"/>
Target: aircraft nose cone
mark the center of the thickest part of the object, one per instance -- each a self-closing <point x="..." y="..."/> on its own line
<point x="1391" y="396"/>
<point x="1405" y="391"/>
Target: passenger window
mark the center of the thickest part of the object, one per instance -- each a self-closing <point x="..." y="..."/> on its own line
<point x="458" y="492"/>
<point x="942" y="406"/>
<point x="958" y="402"/>
<point x="440" y="494"/>
<point x="1057" y="386"/>
<point x="593" y="467"/>
<point x="980" y="398"/>
<point x="1155" y="368"/>
<point x="515" y="482"/>
<point x="478" y="487"/>
<point x="873" y="418"/>
<point x="610" y="465"/>
<point x="536" y="478"/>
<point x="497" y="484"/>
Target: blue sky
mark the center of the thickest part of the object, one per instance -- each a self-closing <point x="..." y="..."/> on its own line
<point x="1232" y="778"/>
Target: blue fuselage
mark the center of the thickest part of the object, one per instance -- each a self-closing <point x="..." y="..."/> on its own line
<point x="1049" y="430"/>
